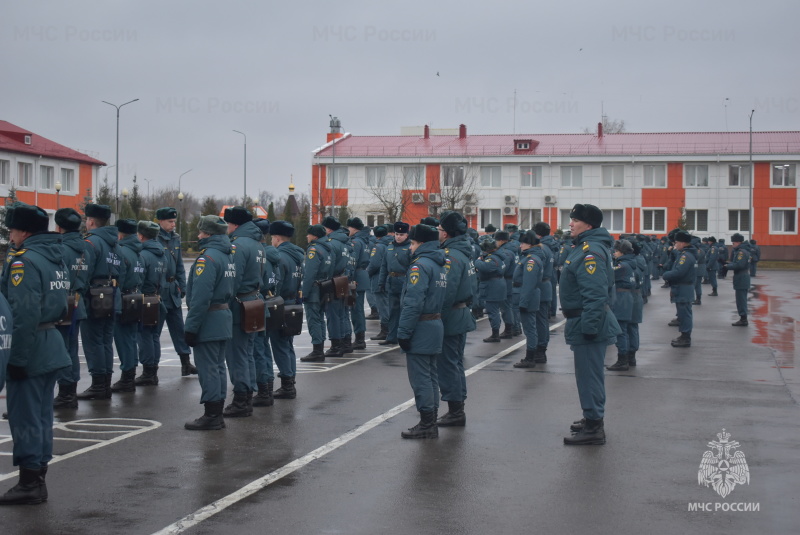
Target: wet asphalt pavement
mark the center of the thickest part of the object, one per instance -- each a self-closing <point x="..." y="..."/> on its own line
<point x="332" y="460"/>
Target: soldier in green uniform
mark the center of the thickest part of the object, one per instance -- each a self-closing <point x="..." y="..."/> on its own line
<point x="317" y="267"/>
<point x="585" y="293"/>
<point x="380" y="296"/>
<point x="126" y="334"/>
<point x="528" y="278"/>
<point x="491" y="268"/>
<point x="209" y="325"/>
<point x="37" y="289"/>
<point x="681" y="277"/>
<point x="392" y="277"/>
<point x="359" y="241"/>
<point x="262" y="351"/>
<point x="155" y="261"/>
<point x="740" y="265"/>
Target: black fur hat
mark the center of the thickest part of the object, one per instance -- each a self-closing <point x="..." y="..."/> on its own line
<point x="238" y="215"/>
<point x="166" y="213"/>
<point x="100" y="211"/>
<point x="453" y="223"/>
<point x="331" y="223"/>
<point x="588" y="213"/>
<point x="27" y="218"/>
<point x="69" y="219"/>
<point x="380" y="231"/>
<point x="126" y="226"/>
<point x="281" y="228"/>
<point x="423" y="233"/>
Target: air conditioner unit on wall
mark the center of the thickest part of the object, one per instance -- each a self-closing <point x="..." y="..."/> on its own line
<point x="511" y="199"/>
<point x="417" y="198"/>
<point x="550" y="199"/>
<point x="510" y="210"/>
<point x="435" y="198"/>
<point x="470" y="210"/>
<point x="433" y="210"/>
<point x="471" y="198"/>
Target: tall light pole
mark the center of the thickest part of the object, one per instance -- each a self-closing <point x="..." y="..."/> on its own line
<point x="752" y="178"/>
<point x="116" y="189"/>
<point x="336" y="126"/>
<point x="58" y="195"/>
<point x="148" y="187"/>
<point x="179" y="181"/>
<point x="244" y="198"/>
<point x="180" y="219"/>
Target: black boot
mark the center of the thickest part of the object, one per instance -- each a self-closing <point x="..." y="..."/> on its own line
<point x="541" y="355"/>
<point x="373" y="314"/>
<point x="187" y="368"/>
<point x="27" y="491"/>
<point x="632" y="359"/>
<point x="455" y="416"/>
<point x="42" y="483"/>
<point x="149" y="376"/>
<point x="674" y="323"/>
<point x="126" y="383"/>
<point x="494" y="337"/>
<point x="684" y="340"/>
<point x="97" y="390"/>
<point x="477" y="312"/>
<point x="238" y="408"/>
<point x="426" y="428"/>
<point x="507" y="333"/>
<point x="66" y="398"/>
<point x="264" y="396"/>
<point x="346" y="345"/>
<point x="388" y="342"/>
<point x="697" y="302"/>
<point x="529" y="361"/>
<point x="577" y="425"/>
<point x="317" y="354"/>
<point x="517" y="331"/>
<point x="249" y="401"/>
<point x="591" y="434"/>
<point x="211" y="420"/>
<point x="287" y="389"/>
<point x="381" y="335"/>
<point x="741" y="323"/>
<point x="335" y="351"/>
<point x="109" y="378"/>
<point x="665" y="285"/>
<point x="360" y="342"/>
<point x="621" y="365"/>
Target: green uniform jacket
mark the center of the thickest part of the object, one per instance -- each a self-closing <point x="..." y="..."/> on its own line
<point x="424" y="294"/>
<point x="317" y="267"/>
<point x="248" y="255"/>
<point x="130" y="249"/>
<point x="360" y="251"/>
<point x="740" y="265"/>
<point x="74" y="255"/>
<point x="37" y="290"/>
<point x="290" y="269"/>
<point x="396" y="261"/>
<point x="528" y="274"/>
<point x="376" y="259"/>
<point x="154" y="259"/>
<point x="171" y="292"/>
<point x="462" y="286"/>
<point x="490" y="269"/>
<point x="681" y="275"/>
<point x="586" y="288"/>
<point x="211" y="282"/>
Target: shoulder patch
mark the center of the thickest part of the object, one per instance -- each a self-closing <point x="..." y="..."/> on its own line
<point x="585" y="246"/>
<point x="590" y="266"/>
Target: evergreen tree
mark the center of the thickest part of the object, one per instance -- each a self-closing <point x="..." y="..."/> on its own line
<point x="301" y="223"/>
<point x="271" y="212"/>
<point x="104" y="194"/>
<point x="343" y="215"/>
<point x="4" y="234"/>
<point x="683" y="224"/>
<point x="210" y="206"/>
<point x="135" y="200"/>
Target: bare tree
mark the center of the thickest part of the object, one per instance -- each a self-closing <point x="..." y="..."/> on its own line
<point x="459" y="184"/>
<point x="391" y="193"/>
<point x="610" y="126"/>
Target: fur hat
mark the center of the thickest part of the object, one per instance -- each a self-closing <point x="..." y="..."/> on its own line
<point x="430" y="221"/>
<point x="100" y="211"/>
<point x="501" y="235"/>
<point x="489" y="229"/>
<point x="380" y="231"/>
<point x="238" y="215"/>
<point x="69" y="219"/>
<point x="281" y="228"/>
<point x="149" y="229"/>
<point x="262" y="224"/>
<point x="588" y="213"/>
<point x="165" y="213"/>
<point x="316" y="230"/>
<point x="529" y="237"/>
<point x="623" y="246"/>
<point x="126" y="226"/>
<point x="488" y="245"/>
<point x="423" y="233"/>
<point x="331" y="223"/>
<point x="212" y="224"/>
<point x="737" y="238"/>
<point x="541" y="228"/>
<point x="401" y="227"/>
<point x="355" y="223"/>
<point x="453" y="223"/>
<point x="27" y="218"/>
<point x="683" y="236"/>
<point x="511" y="228"/>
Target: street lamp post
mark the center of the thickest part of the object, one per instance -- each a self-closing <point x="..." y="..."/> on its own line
<point x="58" y="195"/>
<point x="116" y="189"/>
<point x="180" y="191"/>
<point x="180" y="219"/>
<point x="125" y="194"/>
<point x="752" y="177"/>
<point x="148" y="187"/>
<point x="244" y="198"/>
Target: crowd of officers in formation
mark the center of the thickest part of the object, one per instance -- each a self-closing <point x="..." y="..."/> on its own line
<point x="246" y="296"/>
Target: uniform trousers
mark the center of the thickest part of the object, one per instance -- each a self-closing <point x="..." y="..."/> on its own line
<point x="741" y="302"/>
<point x="262" y="356"/>
<point x="174" y="321"/>
<point x="315" y="321"/>
<point x="554" y="301"/>
<point x="633" y="335"/>
<point x="590" y="378"/>
<point x="334" y="312"/>
<point x="623" y="343"/>
<point x="394" y="316"/>
<point x="70" y="374"/>
<point x="698" y="288"/>
<point x="98" y="345"/>
<point x="529" y="328"/>
<point x="357" y="314"/>
<point x="543" y="324"/>
<point x="209" y="358"/>
<point x="515" y="313"/>
<point x="30" y="417"/>
<point x="239" y="357"/>
<point x="450" y="368"/>
<point x="422" y="375"/>
<point x="684" y="317"/>
<point x="712" y="278"/>
<point x="346" y="326"/>
<point x="493" y="310"/>
<point x="506" y="313"/>
<point x="150" y="345"/>
<point x="283" y="353"/>
<point x="382" y="303"/>
<point x="125" y="339"/>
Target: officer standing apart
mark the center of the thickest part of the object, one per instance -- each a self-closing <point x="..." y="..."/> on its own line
<point x="126" y="335"/>
<point x="209" y="321"/>
<point x="317" y="267"/>
<point x="457" y="318"/>
<point x="585" y="292"/>
<point x="420" y="329"/>
<point x="37" y="290"/>
<point x="175" y="289"/>
<point x="392" y="277"/>
<point x="740" y="266"/>
<point x="155" y="260"/>
<point x="528" y="278"/>
<point x="681" y="277"/>
<point x="491" y="268"/>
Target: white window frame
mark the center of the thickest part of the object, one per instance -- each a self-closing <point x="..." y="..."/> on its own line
<point x="453" y="176"/>
<point x="528" y="217"/>
<point x="532" y="174"/>
<point x="31" y="179"/>
<point x="742" y="173"/>
<point x="687" y="175"/>
<point x="613" y="176"/>
<point x="378" y="178"/>
<point x="653" y="230"/>
<point x="5" y="172"/>
<point x="491" y="176"/>
<point x="564" y="218"/>
<point x="568" y="173"/>
<point x="692" y="218"/>
<point x="336" y="177"/>
<point x="413" y="177"/>
<point x="375" y="219"/>
<point x="784" y="179"/>
<point x="650" y="181"/>
<point x="791" y="210"/>
<point x="490" y="213"/>
<point x="67" y="180"/>
<point x="743" y="223"/>
<point x="608" y="216"/>
<point x="47" y="173"/>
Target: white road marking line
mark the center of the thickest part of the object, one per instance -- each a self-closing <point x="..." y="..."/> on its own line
<point x="251" y="488"/>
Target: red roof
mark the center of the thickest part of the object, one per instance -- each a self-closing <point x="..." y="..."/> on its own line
<point x="671" y="143"/>
<point x="12" y="139"/>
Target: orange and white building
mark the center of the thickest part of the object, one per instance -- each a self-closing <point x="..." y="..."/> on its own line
<point x="643" y="182"/>
<point x="44" y="172"/>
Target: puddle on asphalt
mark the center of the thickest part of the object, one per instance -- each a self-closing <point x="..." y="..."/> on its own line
<point x="774" y="313"/>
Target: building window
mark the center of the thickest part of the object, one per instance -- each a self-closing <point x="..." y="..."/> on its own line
<point x="654" y="220"/>
<point x="5" y="172"/>
<point x="528" y="218"/>
<point x="565" y="219"/>
<point x="739" y="220"/>
<point x="783" y="175"/>
<point x="337" y="176"/>
<point x="697" y="220"/>
<point x="783" y="221"/>
<point x="68" y="180"/>
<point x="571" y="176"/>
<point x="696" y="176"/>
<point x="739" y="175"/>
<point x="46" y="177"/>
<point x="612" y="221"/>
<point x="375" y="219"/>
<point x="613" y="176"/>
<point x="414" y="177"/>
<point x="24" y="175"/>
<point x="453" y="176"/>
<point x="490" y="177"/>
<point x="530" y="176"/>
<point x="376" y="177"/>
<point x="655" y="176"/>
<point x="491" y="217"/>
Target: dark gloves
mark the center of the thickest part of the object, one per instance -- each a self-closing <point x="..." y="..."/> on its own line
<point x="16" y="373"/>
<point x="523" y="309"/>
<point x="191" y="338"/>
<point x="591" y="336"/>
<point x="405" y="344"/>
<point x="183" y="294"/>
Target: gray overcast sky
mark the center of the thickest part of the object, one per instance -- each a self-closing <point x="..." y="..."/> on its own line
<point x="276" y="70"/>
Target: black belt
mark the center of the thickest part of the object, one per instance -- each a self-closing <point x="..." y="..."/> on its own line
<point x="571" y="312"/>
<point x="517" y="285"/>
<point x="218" y="306"/>
<point x="430" y="317"/>
<point x="545" y="279"/>
<point x="170" y="279"/>
<point x="128" y="292"/>
<point x="45" y="326"/>
<point x="396" y="274"/>
<point x="103" y="282"/>
<point x="248" y="294"/>
<point x="508" y="277"/>
<point x="456" y="306"/>
<point x="624" y="289"/>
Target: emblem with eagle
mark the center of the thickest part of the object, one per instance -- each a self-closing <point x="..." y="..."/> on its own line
<point x="722" y="468"/>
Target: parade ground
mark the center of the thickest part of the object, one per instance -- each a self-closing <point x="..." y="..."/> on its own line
<point x="332" y="460"/>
